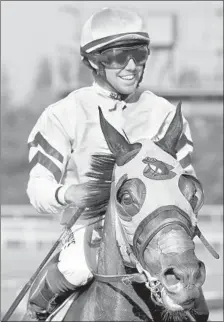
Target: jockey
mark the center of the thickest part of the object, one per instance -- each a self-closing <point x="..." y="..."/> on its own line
<point x="115" y="46"/>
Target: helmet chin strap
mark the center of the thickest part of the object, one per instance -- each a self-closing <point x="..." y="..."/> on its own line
<point x="102" y="79"/>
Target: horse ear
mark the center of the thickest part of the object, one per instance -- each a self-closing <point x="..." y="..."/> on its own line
<point x="118" y="145"/>
<point x="169" y="142"/>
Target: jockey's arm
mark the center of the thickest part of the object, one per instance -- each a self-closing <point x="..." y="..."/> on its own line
<point x="49" y="148"/>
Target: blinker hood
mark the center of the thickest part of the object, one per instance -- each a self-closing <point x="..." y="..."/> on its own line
<point x="156" y="221"/>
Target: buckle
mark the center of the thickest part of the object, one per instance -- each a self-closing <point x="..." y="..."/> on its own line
<point x="153" y="285"/>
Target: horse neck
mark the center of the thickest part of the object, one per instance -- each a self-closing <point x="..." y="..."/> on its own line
<point x="110" y="260"/>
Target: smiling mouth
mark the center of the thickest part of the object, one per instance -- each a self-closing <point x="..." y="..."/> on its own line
<point x="128" y="77"/>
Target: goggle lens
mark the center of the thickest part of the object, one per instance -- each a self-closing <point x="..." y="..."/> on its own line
<point x="119" y="57"/>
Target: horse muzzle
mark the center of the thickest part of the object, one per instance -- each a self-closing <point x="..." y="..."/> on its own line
<point x="188" y="276"/>
<point x="179" y="272"/>
<point x="151" y="225"/>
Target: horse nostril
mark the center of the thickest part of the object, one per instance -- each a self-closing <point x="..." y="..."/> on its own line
<point x="171" y="276"/>
<point x="201" y="265"/>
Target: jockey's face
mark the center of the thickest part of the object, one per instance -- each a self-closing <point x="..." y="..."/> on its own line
<point x="126" y="79"/>
<point x="121" y="68"/>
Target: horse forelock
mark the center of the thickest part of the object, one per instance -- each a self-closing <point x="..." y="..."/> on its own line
<point x="99" y="185"/>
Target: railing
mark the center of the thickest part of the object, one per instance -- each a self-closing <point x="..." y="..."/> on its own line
<point x="26" y="237"/>
<point x="23" y="227"/>
<point x="208" y="212"/>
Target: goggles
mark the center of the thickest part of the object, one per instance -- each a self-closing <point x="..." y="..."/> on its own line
<point x="115" y="58"/>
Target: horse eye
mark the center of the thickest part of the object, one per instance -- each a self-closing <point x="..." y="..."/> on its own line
<point x="191" y="189"/>
<point x="126" y="199"/>
<point x="193" y="200"/>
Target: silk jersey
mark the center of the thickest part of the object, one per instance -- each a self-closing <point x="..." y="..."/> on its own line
<point x="68" y="133"/>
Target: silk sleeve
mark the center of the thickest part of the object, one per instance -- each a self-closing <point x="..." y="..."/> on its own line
<point x="49" y="149"/>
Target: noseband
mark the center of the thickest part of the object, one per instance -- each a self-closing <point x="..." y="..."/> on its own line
<point x="156" y="221"/>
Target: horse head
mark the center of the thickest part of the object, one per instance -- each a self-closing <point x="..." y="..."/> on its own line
<point x="156" y="203"/>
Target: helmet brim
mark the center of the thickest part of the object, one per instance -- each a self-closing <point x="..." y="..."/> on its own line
<point x="99" y="44"/>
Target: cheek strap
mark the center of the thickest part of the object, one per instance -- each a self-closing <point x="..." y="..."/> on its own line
<point x="206" y="243"/>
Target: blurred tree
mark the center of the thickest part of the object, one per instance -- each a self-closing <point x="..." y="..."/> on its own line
<point x="17" y="122"/>
<point x="64" y="70"/>
<point x="189" y="78"/>
<point x="44" y="74"/>
<point x="207" y="133"/>
<point x="5" y="90"/>
<point x="42" y="93"/>
<point x="85" y="77"/>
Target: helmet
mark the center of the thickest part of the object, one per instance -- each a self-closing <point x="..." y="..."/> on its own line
<point x="110" y="26"/>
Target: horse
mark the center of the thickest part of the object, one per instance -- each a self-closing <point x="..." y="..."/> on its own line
<point x="143" y="262"/>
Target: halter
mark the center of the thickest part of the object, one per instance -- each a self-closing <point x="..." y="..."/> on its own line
<point x="156" y="220"/>
<point x="143" y="276"/>
<point x="139" y="244"/>
<point x="146" y="230"/>
<point x="154" y="223"/>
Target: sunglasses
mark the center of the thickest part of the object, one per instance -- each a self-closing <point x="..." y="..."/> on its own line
<point x="115" y="58"/>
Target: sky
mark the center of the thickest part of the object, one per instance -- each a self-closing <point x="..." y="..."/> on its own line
<point x="27" y="33"/>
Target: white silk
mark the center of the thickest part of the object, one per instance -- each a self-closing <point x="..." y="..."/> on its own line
<point x="72" y="262"/>
<point x="72" y="127"/>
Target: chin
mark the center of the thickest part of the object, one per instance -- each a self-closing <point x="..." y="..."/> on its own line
<point x="128" y="90"/>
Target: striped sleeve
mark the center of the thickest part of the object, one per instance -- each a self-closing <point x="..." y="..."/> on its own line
<point x="49" y="148"/>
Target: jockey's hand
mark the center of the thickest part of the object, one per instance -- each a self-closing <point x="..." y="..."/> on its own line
<point x="77" y="195"/>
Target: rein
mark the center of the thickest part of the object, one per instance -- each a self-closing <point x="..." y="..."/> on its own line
<point x="144" y="276"/>
<point x="126" y="279"/>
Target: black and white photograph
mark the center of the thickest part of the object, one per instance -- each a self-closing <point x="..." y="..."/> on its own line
<point x="112" y="161"/>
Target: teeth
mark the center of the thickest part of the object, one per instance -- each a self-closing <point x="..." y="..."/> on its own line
<point x="129" y="77"/>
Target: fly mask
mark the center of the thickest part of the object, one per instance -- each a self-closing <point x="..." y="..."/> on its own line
<point x="156" y="205"/>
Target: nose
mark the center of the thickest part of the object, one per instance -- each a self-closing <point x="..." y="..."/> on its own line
<point x="188" y="276"/>
<point x="131" y="64"/>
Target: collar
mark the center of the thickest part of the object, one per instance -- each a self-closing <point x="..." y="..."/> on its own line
<point x="106" y="92"/>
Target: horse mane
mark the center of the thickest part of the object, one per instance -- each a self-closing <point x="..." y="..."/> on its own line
<point x="100" y="174"/>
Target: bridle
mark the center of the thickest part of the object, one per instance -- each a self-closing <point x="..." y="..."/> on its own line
<point x="154" y="223"/>
<point x="157" y="221"/>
